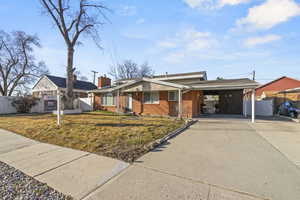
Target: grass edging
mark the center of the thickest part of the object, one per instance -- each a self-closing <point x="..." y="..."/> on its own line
<point x="170" y="135"/>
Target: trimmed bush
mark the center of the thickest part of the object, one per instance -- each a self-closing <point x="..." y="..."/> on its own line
<point x="24" y="104"/>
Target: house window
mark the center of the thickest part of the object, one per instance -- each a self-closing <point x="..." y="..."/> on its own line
<point x="173" y="96"/>
<point x="151" y="97"/>
<point x="108" y="100"/>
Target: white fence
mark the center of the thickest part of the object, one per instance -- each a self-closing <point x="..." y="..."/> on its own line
<point x="86" y="104"/>
<point x="7" y="108"/>
<point x="5" y="105"/>
<point x="262" y="108"/>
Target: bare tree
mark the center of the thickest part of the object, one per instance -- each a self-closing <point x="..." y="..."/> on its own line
<point x="129" y="70"/>
<point x="145" y="70"/>
<point x="80" y="76"/>
<point x="73" y="22"/>
<point x="18" y="67"/>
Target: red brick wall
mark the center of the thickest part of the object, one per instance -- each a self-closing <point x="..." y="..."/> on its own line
<point x="98" y="106"/>
<point x="191" y="102"/>
<point x="137" y="99"/>
<point x="279" y="85"/>
<point x="161" y="109"/>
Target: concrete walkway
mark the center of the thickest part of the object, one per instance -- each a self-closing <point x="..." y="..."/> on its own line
<point x="71" y="172"/>
<point x="216" y="159"/>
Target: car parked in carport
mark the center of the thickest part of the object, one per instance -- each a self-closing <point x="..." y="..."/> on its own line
<point x="289" y="108"/>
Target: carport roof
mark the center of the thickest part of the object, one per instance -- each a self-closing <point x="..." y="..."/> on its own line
<point x="225" y="84"/>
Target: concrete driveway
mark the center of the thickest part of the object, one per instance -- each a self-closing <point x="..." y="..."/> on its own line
<point x="216" y="159"/>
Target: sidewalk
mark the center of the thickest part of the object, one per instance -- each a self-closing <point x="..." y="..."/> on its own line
<point x="69" y="171"/>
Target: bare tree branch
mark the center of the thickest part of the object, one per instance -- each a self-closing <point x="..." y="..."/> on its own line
<point x="17" y="63"/>
<point x="130" y="70"/>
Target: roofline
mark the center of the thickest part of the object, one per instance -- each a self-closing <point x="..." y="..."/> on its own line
<point x="180" y="77"/>
<point x="171" y="76"/>
<point x="166" y="83"/>
<point x="44" y="76"/>
<point x="104" y="90"/>
<point x="225" y="87"/>
<point x="180" y="74"/>
<point x="275" y="81"/>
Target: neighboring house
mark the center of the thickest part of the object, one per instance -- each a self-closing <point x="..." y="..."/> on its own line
<point x="292" y="94"/>
<point x="171" y="95"/>
<point x="48" y="86"/>
<point x="273" y="91"/>
<point x="272" y="88"/>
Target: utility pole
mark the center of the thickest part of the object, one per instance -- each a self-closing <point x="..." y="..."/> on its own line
<point x="254" y="75"/>
<point x="95" y="76"/>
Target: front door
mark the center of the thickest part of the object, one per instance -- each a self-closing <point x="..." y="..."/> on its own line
<point x="129" y="102"/>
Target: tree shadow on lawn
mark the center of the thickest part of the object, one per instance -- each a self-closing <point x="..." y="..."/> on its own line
<point x="27" y="115"/>
<point x="121" y="125"/>
<point x="115" y="124"/>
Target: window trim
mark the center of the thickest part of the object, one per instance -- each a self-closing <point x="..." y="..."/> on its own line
<point x="106" y="95"/>
<point x="151" y="102"/>
<point x="176" y="96"/>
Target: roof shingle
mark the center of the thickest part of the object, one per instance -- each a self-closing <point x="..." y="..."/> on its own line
<point x="79" y="85"/>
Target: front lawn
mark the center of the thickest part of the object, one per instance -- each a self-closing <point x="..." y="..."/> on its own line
<point x="121" y="137"/>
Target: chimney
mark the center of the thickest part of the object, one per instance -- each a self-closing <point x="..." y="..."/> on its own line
<point x="104" y="81"/>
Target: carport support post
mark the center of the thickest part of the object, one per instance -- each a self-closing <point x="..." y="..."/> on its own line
<point x="179" y="103"/>
<point x="253" y="105"/>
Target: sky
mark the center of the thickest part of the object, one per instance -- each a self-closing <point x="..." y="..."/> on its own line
<point x="226" y="38"/>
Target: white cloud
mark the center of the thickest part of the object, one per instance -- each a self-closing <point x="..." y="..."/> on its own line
<point x="175" y="57"/>
<point x="127" y="10"/>
<point x="269" y="14"/>
<point x="206" y="4"/>
<point x="232" y="2"/>
<point x="167" y="44"/>
<point x="140" y="21"/>
<point x="253" y="41"/>
<point x="195" y="40"/>
<point x="188" y="42"/>
<point x="213" y="4"/>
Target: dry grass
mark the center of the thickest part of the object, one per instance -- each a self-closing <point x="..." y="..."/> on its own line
<point x="121" y="137"/>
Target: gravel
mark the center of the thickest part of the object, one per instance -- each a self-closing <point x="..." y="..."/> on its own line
<point x="16" y="185"/>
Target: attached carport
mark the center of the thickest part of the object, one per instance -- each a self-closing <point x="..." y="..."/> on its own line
<point x="232" y="93"/>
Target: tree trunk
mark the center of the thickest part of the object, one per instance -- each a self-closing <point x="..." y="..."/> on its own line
<point x="70" y="83"/>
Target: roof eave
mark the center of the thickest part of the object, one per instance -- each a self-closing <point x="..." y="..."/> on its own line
<point x="227" y="87"/>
